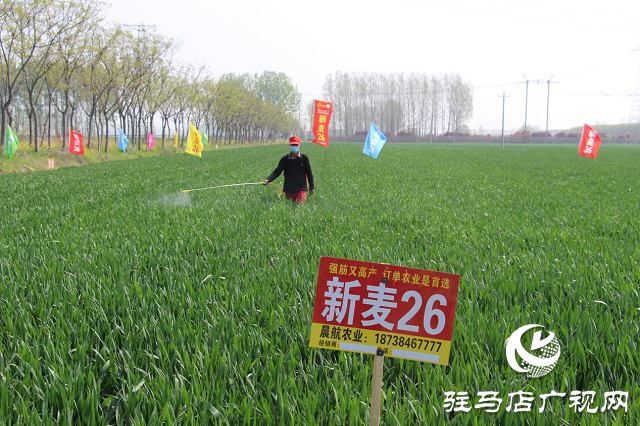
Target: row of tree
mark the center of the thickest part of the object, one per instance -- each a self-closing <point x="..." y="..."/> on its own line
<point x="417" y="103"/>
<point x="61" y="67"/>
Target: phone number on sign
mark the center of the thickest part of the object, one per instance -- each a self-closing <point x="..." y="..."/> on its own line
<point x="408" y="342"/>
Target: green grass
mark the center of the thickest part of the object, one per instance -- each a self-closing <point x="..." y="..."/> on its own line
<point x="27" y="160"/>
<point x="124" y="301"/>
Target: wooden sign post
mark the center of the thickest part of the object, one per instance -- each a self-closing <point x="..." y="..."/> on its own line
<point x="376" y="387"/>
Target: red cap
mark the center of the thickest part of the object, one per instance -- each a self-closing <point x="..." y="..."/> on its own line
<point x="294" y="140"/>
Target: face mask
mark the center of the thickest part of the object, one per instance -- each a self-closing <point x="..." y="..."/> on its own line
<point x="295" y="148"/>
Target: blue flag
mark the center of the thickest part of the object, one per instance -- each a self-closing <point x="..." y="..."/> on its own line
<point x="375" y="141"/>
<point x="122" y="142"/>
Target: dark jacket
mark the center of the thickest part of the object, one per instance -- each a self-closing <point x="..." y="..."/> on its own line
<point x="296" y="172"/>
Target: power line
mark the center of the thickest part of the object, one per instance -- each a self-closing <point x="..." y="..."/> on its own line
<point x="527" y="17"/>
<point x="587" y="94"/>
<point x="496" y="85"/>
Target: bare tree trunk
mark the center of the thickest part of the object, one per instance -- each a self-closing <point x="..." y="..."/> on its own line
<point x="46" y="125"/>
<point x="3" y="126"/>
<point x="163" y="129"/>
<point x="98" y="130"/>
<point x="90" y="128"/>
<point x="33" y="120"/>
<point x="73" y="113"/>
<point x="63" y="129"/>
<point x="106" y="142"/>
<point x="49" y="122"/>
<point x="139" y="133"/>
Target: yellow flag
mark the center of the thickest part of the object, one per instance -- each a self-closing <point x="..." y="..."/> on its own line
<point x="194" y="141"/>
<point x="175" y="140"/>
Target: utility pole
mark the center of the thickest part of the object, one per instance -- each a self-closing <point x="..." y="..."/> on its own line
<point x="635" y="103"/>
<point x="526" y="104"/>
<point x="140" y="28"/>
<point x="503" y="98"/>
<point x="548" y="92"/>
<point x="526" y="101"/>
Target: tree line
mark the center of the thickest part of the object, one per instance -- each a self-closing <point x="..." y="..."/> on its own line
<point x="418" y="104"/>
<point x="62" y="67"/>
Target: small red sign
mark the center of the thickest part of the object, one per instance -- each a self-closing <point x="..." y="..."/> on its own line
<point x="75" y="143"/>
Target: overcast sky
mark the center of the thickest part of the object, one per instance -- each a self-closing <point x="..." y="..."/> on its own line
<point x="585" y="47"/>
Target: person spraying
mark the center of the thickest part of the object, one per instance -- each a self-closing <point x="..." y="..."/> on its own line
<point x="297" y="171"/>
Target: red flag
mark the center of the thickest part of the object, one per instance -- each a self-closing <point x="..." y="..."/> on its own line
<point x="321" y="118"/>
<point x="75" y="143"/>
<point x="590" y="142"/>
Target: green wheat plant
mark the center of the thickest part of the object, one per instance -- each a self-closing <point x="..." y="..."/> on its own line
<point x="126" y="302"/>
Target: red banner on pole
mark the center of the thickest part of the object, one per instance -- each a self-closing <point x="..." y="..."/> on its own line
<point x="321" y="118"/>
<point x="589" y="143"/>
<point x="75" y="143"/>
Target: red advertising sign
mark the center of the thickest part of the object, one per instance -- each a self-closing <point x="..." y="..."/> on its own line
<point x="321" y="117"/>
<point x="363" y="306"/>
<point x="75" y="143"/>
<point x="589" y="143"/>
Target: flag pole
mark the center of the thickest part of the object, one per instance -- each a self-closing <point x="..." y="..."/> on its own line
<point x="313" y="117"/>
